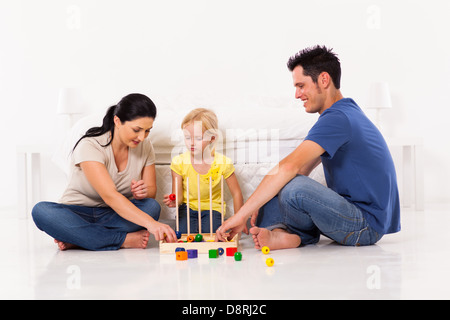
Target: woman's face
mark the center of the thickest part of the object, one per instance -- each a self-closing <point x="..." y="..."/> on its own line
<point x="132" y="133"/>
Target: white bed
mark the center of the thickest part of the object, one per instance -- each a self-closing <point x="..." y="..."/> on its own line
<point x="257" y="132"/>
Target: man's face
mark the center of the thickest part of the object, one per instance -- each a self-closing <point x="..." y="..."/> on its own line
<point x="308" y="91"/>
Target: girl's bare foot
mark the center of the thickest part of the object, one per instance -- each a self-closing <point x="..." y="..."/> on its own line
<point x="137" y="240"/>
<point x="275" y="239"/>
<point x="65" y="246"/>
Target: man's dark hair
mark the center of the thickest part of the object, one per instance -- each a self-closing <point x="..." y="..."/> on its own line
<point x="316" y="60"/>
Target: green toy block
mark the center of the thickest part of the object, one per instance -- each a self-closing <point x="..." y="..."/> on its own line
<point x="213" y="253"/>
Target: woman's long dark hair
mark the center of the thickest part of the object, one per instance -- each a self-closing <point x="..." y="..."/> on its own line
<point x="131" y="107"/>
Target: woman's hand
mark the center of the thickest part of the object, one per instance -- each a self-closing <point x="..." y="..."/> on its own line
<point x="139" y="189"/>
<point x="161" y="231"/>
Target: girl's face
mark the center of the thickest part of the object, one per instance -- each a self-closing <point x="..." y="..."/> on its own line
<point x="132" y="133"/>
<point x="194" y="139"/>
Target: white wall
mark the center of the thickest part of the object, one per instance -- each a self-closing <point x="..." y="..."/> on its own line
<point x="110" y="48"/>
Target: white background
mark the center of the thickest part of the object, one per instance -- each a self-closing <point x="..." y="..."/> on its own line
<point x="110" y="48"/>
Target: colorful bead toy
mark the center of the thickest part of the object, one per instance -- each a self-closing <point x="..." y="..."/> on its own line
<point x="198" y="238"/>
<point x="231" y="252"/>
<point x="270" y="262"/>
<point x="192" y="253"/>
<point x="265" y="250"/>
<point x="213" y="253"/>
<point x="237" y="256"/>
<point x="181" y="255"/>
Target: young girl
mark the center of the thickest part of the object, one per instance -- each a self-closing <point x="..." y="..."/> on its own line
<point x="200" y="128"/>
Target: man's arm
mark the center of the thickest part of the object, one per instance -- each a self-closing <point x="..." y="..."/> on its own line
<point x="302" y="159"/>
<point x="309" y="167"/>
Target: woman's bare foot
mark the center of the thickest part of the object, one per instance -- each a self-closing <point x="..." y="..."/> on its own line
<point x="275" y="239"/>
<point x="65" y="246"/>
<point x="137" y="240"/>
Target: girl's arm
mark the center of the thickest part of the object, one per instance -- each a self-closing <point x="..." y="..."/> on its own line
<point x="101" y="181"/>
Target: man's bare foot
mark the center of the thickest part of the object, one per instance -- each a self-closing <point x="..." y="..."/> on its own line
<point x="65" y="246"/>
<point x="275" y="239"/>
<point x="137" y="240"/>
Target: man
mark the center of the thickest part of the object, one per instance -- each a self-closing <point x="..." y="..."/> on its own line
<point x="361" y="202"/>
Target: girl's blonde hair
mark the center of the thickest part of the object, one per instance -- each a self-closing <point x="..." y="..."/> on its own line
<point x="210" y="124"/>
<point x="207" y="117"/>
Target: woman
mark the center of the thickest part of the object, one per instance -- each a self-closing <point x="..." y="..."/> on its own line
<point x="109" y="201"/>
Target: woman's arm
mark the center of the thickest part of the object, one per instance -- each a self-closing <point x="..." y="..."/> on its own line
<point x="99" y="178"/>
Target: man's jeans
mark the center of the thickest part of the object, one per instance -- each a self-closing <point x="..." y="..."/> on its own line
<point x="92" y="228"/>
<point x="309" y="209"/>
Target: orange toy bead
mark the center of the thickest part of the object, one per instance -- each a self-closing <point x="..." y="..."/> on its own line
<point x="190" y="238"/>
<point x="181" y="255"/>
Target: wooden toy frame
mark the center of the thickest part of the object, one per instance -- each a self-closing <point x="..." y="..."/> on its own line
<point x="202" y="247"/>
<point x="209" y="242"/>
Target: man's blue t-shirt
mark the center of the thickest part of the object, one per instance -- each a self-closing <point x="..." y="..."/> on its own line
<point x="357" y="163"/>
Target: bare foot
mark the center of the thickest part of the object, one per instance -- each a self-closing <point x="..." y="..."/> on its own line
<point x="65" y="246"/>
<point x="138" y="239"/>
<point x="275" y="239"/>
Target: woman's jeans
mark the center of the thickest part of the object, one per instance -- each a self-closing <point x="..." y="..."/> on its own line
<point x="309" y="209"/>
<point x="193" y="221"/>
<point x="92" y="228"/>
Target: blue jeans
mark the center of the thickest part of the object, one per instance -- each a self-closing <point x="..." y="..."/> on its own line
<point x="309" y="209"/>
<point x="182" y="211"/>
<point x="91" y="228"/>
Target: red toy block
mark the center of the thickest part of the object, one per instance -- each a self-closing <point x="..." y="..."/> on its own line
<point x="231" y="252"/>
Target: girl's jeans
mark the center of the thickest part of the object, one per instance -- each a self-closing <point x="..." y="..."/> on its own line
<point x="92" y="228"/>
<point x="193" y="222"/>
<point x="309" y="209"/>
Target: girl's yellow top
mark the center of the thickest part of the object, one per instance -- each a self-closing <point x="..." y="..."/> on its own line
<point x="222" y="166"/>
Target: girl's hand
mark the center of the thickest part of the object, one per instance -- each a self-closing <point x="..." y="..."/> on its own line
<point x="139" y="189"/>
<point x="161" y="231"/>
<point x="168" y="202"/>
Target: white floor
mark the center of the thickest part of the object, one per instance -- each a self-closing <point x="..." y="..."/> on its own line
<point x="413" y="264"/>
